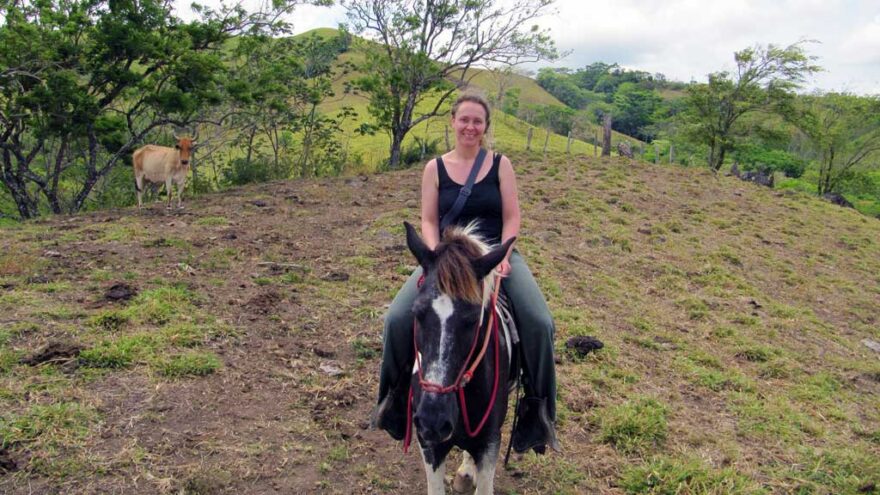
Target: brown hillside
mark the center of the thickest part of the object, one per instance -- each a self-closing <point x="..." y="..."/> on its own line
<point x="732" y="315"/>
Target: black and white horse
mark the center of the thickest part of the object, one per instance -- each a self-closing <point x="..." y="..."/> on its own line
<point x="459" y="388"/>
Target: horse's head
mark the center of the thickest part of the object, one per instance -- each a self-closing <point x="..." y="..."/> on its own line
<point x="449" y="309"/>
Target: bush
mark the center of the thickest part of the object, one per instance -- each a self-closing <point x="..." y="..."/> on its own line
<point x="861" y="183"/>
<point x="240" y="172"/>
<point x="414" y="154"/>
<point x="753" y="157"/>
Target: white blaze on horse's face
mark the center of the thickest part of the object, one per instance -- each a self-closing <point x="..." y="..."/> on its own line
<point x="443" y="308"/>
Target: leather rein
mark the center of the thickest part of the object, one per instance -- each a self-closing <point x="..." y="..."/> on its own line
<point x="464" y="375"/>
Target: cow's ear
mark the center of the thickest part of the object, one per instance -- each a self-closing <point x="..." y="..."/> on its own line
<point x="484" y="265"/>
<point x="424" y="255"/>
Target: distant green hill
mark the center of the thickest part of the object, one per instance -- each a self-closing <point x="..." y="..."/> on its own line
<point x="509" y="132"/>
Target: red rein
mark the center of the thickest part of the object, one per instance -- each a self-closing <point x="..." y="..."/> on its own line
<point x="464" y="375"/>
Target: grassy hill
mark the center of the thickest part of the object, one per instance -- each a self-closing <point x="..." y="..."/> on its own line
<point x="510" y="133"/>
<point x="734" y="320"/>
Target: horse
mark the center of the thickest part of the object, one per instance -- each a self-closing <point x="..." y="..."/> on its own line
<point x="460" y="383"/>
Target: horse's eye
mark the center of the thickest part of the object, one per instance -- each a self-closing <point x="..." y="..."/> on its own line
<point x="420" y="313"/>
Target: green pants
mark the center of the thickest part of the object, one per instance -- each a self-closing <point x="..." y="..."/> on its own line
<point x="533" y="321"/>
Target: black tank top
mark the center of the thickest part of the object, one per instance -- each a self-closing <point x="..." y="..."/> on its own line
<point x="484" y="203"/>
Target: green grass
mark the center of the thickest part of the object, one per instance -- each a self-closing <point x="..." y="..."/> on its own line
<point x="212" y="221"/>
<point x="47" y="426"/>
<point x="160" y="305"/>
<point x="674" y="476"/>
<point x="188" y="364"/>
<point x="119" y="353"/>
<point x="110" y="320"/>
<point x="773" y="418"/>
<point x="365" y="349"/>
<point x="708" y="372"/>
<point x="634" y="426"/>
<point x="850" y="469"/>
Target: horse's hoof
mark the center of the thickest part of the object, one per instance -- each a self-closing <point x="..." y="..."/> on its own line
<point x="463" y="483"/>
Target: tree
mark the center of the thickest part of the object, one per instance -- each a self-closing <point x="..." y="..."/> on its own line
<point x="561" y="85"/>
<point x="426" y="50"/>
<point x="503" y="79"/>
<point x="634" y="110"/>
<point x="764" y="80"/>
<point x="588" y="77"/>
<point x="844" y="132"/>
<point x="276" y="86"/>
<point x="554" y="117"/>
<point x="84" y="81"/>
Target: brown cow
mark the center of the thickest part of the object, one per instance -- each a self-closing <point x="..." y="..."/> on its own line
<point x="163" y="165"/>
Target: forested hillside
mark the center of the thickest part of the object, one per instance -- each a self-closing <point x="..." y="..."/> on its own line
<point x="758" y="117"/>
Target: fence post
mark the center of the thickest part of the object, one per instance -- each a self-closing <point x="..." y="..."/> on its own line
<point x="546" y="140"/>
<point x="671" y="152"/>
<point x="568" y="144"/>
<point x="606" y="135"/>
<point x="529" y="139"/>
<point x="596" y="145"/>
<point x="448" y="147"/>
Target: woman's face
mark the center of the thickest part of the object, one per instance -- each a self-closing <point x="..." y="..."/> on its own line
<point x="469" y="123"/>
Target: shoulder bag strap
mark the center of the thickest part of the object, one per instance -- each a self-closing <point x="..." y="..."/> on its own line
<point x="463" y="194"/>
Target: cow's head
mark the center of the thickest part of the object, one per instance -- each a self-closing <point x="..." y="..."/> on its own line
<point x="185" y="145"/>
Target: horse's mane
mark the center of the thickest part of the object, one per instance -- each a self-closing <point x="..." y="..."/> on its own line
<point x="455" y="276"/>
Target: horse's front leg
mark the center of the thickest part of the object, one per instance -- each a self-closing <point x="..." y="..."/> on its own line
<point x="434" y="474"/>
<point x="486" y="469"/>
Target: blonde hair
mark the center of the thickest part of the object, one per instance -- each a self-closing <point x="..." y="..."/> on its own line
<point x="455" y="276"/>
<point x="471" y="96"/>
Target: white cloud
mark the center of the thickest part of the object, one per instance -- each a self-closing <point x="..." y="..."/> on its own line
<point x="688" y="39"/>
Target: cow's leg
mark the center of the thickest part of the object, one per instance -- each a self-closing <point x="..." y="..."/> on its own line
<point x="434" y="476"/>
<point x="180" y="186"/>
<point x="168" y="190"/>
<point x="466" y="474"/>
<point x="486" y="470"/>
<point x="139" y="188"/>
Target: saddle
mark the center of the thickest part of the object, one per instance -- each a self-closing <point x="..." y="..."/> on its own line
<point x="510" y="335"/>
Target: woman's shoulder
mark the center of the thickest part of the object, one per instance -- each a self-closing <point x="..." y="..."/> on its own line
<point x="434" y="170"/>
<point x="503" y="162"/>
<point x="432" y="163"/>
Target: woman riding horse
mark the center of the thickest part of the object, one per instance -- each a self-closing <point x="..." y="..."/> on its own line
<point x="493" y="203"/>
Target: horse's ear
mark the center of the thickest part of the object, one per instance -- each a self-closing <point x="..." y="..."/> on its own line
<point x="417" y="246"/>
<point x="486" y="263"/>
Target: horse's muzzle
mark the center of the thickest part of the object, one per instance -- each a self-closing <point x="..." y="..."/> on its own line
<point x="435" y="417"/>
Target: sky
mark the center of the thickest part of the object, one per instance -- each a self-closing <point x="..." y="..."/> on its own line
<point x="688" y="39"/>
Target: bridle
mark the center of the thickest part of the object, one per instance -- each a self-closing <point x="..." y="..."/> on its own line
<point x="465" y="374"/>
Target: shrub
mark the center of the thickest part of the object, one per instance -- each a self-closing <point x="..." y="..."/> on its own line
<point x="753" y="157"/>
<point x="414" y="154"/>
<point x="240" y="172"/>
